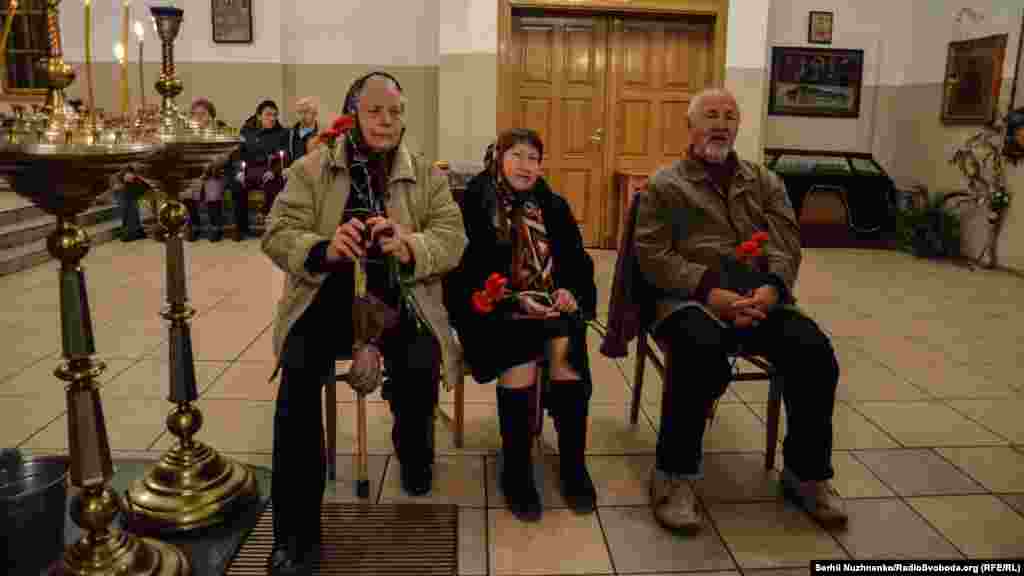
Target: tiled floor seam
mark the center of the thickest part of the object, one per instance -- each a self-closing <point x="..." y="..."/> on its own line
<point x="904" y="501"/>
<point x="1008" y="441"/>
<point x="39" y="431"/>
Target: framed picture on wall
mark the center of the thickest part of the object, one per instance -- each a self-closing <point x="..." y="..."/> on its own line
<point x="974" y="78"/>
<point x="232" y="21"/>
<point x="819" y="28"/>
<point x="816" y="82"/>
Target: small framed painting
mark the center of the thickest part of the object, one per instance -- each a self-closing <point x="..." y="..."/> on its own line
<point x="819" y="28"/>
<point x="232" y="21"/>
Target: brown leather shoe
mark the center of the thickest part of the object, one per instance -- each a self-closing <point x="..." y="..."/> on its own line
<point x="819" y="499"/>
<point x="674" y="503"/>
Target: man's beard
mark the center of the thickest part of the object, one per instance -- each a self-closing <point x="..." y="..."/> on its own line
<point x="715" y="152"/>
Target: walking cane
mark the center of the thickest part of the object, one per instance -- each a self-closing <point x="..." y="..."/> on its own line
<point x="361" y="327"/>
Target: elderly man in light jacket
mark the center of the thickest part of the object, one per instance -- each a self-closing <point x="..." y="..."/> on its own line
<point x="315" y="233"/>
<point x="709" y="304"/>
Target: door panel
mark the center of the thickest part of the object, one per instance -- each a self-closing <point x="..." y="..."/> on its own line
<point x="557" y="85"/>
<point x="656" y="67"/>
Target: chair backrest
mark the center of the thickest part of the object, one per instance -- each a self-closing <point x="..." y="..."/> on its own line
<point x="625" y="313"/>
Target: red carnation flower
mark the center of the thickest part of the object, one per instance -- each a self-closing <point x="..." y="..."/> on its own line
<point x="495" y="286"/>
<point x="748" y="249"/>
<point x="344" y="123"/>
<point x="482" y="303"/>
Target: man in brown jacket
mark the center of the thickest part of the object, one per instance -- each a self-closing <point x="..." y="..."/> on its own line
<point x="708" y="305"/>
<point x="318" y="227"/>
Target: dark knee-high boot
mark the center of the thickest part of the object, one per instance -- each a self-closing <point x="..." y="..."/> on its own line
<point x="216" y="213"/>
<point x="413" y="437"/>
<point x="569" y="406"/>
<point x="193" y="219"/>
<point x="517" y="482"/>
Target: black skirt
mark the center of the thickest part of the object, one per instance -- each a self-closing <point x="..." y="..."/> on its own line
<point x="501" y="341"/>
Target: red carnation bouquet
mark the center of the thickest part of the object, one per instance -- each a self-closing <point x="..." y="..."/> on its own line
<point x="338" y="128"/>
<point x="496" y="291"/>
<point x="741" y="270"/>
<point x="749" y="252"/>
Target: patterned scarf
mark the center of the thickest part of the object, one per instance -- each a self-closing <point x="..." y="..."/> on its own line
<point x="519" y="220"/>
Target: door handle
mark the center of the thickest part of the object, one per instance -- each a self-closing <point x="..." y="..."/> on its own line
<point x="598" y="136"/>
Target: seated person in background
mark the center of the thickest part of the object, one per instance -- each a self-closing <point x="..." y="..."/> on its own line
<point x="263" y="141"/>
<point x="314" y="234"/>
<point x="129" y="187"/>
<point x="211" y="187"/>
<point x="519" y="228"/>
<point x="301" y="136"/>
<point x="690" y="222"/>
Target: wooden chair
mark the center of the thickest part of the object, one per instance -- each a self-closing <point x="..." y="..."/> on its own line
<point x="765" y="371"/>
<point x="454" y="423"/>
<point x="625" y="303"/>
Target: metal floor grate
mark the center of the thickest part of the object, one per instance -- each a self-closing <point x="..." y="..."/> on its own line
<point x="377" y="539"/>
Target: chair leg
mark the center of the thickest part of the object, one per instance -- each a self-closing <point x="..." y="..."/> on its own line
<point x="361" y="468"/>
<point x="638" y="377"/>
<point x="331" y="418"/>
<point x="460" y="412"/>
<point x="773" y="413"/>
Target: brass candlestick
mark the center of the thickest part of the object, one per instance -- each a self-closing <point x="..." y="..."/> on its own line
<point x="192" y="485"/>
<point x="64" y="180"/>
<point x="168" y="24"/>
<point x="59" y="75"/>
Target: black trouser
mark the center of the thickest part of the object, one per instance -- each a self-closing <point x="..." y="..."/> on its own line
<point x="128" y="204"/>
<point x="412" y="360"/>
<point x="240" y="194"/>
<point x="806" y="364"/>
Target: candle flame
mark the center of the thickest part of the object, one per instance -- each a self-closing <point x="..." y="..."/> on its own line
<point x="119" y="52"/>
<point x="140" y="32"/>
<point x="87" y="3"/>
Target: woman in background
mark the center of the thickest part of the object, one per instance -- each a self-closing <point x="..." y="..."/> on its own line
<point x="211" y="189"/>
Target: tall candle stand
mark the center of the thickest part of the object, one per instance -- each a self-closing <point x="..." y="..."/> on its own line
<point x="64" y="179"/>
<point x="192" y="486"/>
<point x="59" y="74"/>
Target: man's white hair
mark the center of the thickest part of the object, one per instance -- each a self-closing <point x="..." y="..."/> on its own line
<point x="697" y="104"/>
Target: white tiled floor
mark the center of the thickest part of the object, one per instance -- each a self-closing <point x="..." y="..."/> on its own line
<point x="928" y="428"/>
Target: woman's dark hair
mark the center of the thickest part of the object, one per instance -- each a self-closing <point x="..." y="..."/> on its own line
<point x="205" y="103"/>
<point x="264" y="105"/>
<point x="510" y="138"/>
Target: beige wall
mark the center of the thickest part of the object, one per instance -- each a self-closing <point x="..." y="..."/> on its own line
<point x="467" y="106"/>
<point x="750" y="88"/>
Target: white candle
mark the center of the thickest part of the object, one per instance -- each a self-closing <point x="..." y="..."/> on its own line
<point x="140" y="35"/>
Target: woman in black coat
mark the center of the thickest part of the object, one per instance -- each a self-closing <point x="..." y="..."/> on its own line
<point x="263" y="140"/>
<point x="519" y="228"/>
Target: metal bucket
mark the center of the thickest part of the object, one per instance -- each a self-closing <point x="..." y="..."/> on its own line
<point x="33" y="505"/>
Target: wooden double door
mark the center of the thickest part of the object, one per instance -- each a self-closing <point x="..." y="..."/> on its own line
<point x="607" y="95"/>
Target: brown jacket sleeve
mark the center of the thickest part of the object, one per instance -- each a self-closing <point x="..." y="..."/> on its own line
<point x="662" y="265"/>
<point x="783" y="246"/>
<point x="438" y="246"/>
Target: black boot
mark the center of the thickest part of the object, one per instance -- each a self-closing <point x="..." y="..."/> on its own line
<point x="517" y="482"/>
<point x="193" y="220"/>
<point x="216" y="212"/>
<point x="413" y="437"/>
<point x="568" y="407"/>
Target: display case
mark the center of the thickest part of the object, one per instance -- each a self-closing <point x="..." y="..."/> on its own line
<point x="842" y="199"/>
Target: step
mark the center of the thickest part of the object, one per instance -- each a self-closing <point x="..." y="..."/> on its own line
<point x="30" y="229"/>
<point x="35" y="253"/>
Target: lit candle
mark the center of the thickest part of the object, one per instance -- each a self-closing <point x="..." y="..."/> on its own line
<point x="126" y="18"/>
<point x="88" y="61"/>
<point x="12" y="6"/>
<point x="120" y="56"/>
<point x="140" y="34"/>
